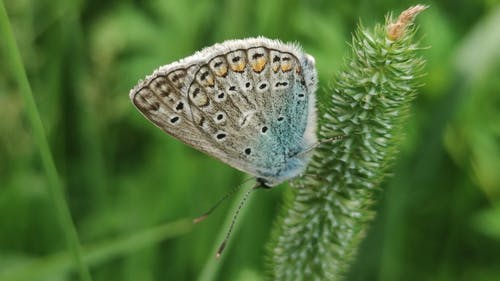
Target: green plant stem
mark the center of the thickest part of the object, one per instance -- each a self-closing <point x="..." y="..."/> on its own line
<point x="54" y="184"/>
<point x="323" y="224"/>
<point x="212" y="264"/>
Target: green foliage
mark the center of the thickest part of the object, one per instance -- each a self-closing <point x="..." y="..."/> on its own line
<point x="324" y="222"/>
<point x="125" y="181"/>
<point x="55" y="186"/>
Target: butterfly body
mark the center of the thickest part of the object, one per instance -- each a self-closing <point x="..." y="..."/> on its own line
<point x="249" y="103"/>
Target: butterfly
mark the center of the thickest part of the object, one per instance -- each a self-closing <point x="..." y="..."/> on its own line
<point x="249" y="103"/>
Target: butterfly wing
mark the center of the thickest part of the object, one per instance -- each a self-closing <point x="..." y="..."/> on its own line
<point x="246" y="102"/>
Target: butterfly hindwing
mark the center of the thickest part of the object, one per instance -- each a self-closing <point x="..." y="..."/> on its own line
<point x="245" y="102"/>
<point x="162" y="99"/>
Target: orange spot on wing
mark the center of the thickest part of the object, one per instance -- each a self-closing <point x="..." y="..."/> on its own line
<point x="259" y="64"/>
<point x="286" y="66"/>
<point x="210" y="80"/>
<point x="221" y="71"/>
<point x="238" y="67"/>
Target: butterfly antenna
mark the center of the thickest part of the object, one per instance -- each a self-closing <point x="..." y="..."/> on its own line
<point x="224" y="198"/>
<point x="235" y="216"/>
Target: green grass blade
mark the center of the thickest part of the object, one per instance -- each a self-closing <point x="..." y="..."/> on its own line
<point x="55" y="187"/>
<point x="58" y="264"/>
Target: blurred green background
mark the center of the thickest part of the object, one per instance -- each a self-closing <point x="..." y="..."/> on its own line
<point x="132" y="189"/>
